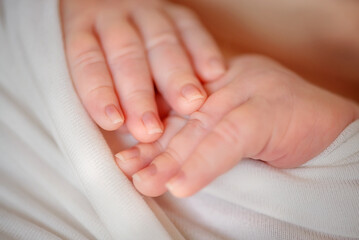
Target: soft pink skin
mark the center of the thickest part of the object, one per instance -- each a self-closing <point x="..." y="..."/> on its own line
<point x="115" y="48"/>
<point x="258" y="110"/>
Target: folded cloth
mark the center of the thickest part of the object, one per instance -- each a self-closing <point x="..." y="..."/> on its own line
<point x="58" y="179"/>
<point x="58" y="176"/>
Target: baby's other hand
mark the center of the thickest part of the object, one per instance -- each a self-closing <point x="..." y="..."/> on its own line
<point x="115" y="48"/>
<point x="258" y="110"/>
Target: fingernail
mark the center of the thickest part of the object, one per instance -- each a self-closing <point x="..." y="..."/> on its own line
<point x="191" y="92"/>
<point x="216" y="68"/>
<point x="128" y="154"/>
<point x="176" y="181"/>
<point x="113" y="114"/>
<point x="144" y="174"/>
<point x="152" y="124"/>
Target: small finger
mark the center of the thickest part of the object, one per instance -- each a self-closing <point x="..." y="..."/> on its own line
<point x="201" y="46"/>
<point x="92" y="79"/>
<point x="170" y="66"/>
<point x="127" y="61"/>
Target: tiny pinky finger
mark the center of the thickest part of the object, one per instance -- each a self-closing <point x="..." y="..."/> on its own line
<point x="206" y="56"/>
<point x="92" y="79"/>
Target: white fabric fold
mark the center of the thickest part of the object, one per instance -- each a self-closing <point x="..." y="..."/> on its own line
<point x="62" y="177"/>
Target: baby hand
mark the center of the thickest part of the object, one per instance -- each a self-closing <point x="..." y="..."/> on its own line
<point x="115" y="48"/>
<point x="258" y="110"/>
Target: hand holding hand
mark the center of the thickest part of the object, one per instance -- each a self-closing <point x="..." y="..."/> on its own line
<point x="258" y="110"/>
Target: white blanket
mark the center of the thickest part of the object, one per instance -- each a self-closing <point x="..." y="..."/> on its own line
<point x="59" y="180"/>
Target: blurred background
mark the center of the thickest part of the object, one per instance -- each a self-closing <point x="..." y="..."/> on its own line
<point x="317" y="39"/>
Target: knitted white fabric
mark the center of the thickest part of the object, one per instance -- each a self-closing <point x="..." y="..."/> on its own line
<point x="58" y="179"/>
<point x="57" y="173"/>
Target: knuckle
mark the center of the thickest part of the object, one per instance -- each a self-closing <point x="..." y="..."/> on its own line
<point x="197" y="124"/>
<point x="88" y="58"/>
<point x="159" y="146"/>
<point x="228" y="131"/>
<point x="130" y="51"/>
<point x="173" y="154"/>
<point x="74" y="41"/>
<point x="201" y="120"/>
<point x="97" y="91"/>
<point x="200" y="124"/>
<point x="162" y="39"/>
<point x="139" y="95"/>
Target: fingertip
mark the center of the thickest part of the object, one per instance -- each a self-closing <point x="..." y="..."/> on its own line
<point x="191" y="99"/>
<point x="152" y="123"/>
<point x="191" y="93"/>
<point x="151" y="180"/>
<point x="110" y="119"/>
<point x="147" y="128"/>
<point x="129" y="161"/>
<point x="177" y="186"/>
<point x="114" y="115"/>
<point x="184" y="93"/>
<point x="213" y="69"/>
<point x="145" y="182"/>
<point x="137" y="157"/>
<point x="144" y="137"/>
<point x="127" y="155"/>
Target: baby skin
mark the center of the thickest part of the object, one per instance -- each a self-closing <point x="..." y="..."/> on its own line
<point x="258" y="110"/>
<point x="119" y="51"/>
